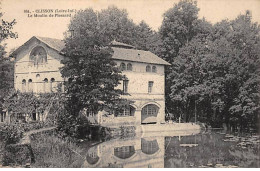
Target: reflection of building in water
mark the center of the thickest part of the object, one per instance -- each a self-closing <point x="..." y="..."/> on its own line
<point x="144" y="152"/>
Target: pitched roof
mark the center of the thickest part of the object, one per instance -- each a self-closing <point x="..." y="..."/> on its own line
<point x="122" y="51"/>
<point x="56" y="44"/>
<point x="137" y="56"/>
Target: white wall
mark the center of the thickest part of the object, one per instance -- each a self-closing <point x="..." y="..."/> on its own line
<point x="137" y="87"/>
<point x="23" y="69"/>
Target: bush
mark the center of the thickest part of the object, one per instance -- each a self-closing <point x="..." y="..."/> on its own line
<point x="11" y="134"/>
<point x="16" y="154"/>
<point x="73" y="127"/>
<point x="51" y="151"/>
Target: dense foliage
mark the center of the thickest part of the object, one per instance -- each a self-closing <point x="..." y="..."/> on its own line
<point x="22" y="105"/>
<point x="6" y="66"/>
<point x="215" y="69"/>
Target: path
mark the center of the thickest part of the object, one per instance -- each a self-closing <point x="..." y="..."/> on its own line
<point x="26" y="139"/>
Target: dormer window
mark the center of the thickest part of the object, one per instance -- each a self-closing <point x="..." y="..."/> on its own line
<point x="122" y="66"/>
<point x="148" y="68"/>
<point x="129" y="67"/>
<point x="38" y="56"/>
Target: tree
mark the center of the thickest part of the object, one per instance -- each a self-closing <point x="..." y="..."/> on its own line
<point x="178" y="28"/>
<point x="146" y="38"/>
<point x="216" y="74"/>
<point x="92" y="74"/>
<point x="114" y="24"/>
<point x="180" y="25"/>
<point x="6" y="66"/>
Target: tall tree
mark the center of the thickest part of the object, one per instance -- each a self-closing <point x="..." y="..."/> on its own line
<point x="6" y="66"/>
<point x="146" y="38"/>
<point x="216" y="75"/>
<point x="180" y="25"/>
<point x="114" y="24"/>
<point x="92" y="74"/>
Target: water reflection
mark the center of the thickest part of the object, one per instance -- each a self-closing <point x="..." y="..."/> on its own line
<point x="210" y="149"/>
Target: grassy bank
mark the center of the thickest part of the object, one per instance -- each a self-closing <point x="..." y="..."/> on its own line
<point x="51" y="151"/>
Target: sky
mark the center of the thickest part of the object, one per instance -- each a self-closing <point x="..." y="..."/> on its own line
<point x="151" y="11"/>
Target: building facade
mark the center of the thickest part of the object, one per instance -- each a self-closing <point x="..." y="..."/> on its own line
<point x="37" y="64"/>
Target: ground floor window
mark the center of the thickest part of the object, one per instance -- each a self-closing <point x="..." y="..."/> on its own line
<point x="24" y="85"/>
<point x="20" y="117"/>
<point x="127" y="111"/>
<point x="30" y="85"/>
<point x="150" y="109"/>
<point x="34" y="116"/>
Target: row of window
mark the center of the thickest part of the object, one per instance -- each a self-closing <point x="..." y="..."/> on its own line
<point x="149" y="68"/>
<point x="129" y="67"/>
<point x="47" y="87"/>
<point x="148" y="110"/>
<point x="125" y="86"/>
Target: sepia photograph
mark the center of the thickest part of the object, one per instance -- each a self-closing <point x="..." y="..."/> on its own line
<point x="129" y="84"/>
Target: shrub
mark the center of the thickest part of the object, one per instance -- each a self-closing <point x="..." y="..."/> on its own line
<point x="72" y="126"/>
<point x="11" y="134"/>
<point x="51" y="151"/>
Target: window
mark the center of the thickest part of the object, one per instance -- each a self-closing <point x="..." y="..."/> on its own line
<point x="90" y="112"/>
<point x="38" y="56"/>
<point x="129" y="67"/>
<point x="148" y="68"/>
<point x="125" y="86"/>
<point x="154" y="69"/>
<point x="34" y="117"/>
<point x="150" y="86"/>
<point x="30" y="85"/>
<point x="45" y="85"/>
<point x="52" y="84"/>
<point x="20" y="117"/>
<point x="150" y="110"/>
<point x="127" y="111"/>
<point x="24" y="85"/>
<point x="2" y="116"/>
<point x="38" y="77"/>
<point x="122" y="67"/>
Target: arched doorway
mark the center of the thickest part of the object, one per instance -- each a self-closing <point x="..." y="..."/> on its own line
<point x="149" y="114"/>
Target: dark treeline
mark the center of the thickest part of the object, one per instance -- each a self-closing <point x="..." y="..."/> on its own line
<point x="215" y="68"/>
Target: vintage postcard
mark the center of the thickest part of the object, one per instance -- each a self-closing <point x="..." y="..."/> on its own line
<point x="129" y="83"/>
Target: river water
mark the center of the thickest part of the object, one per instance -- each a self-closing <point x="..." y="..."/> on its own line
<point x="176" y="150"/>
